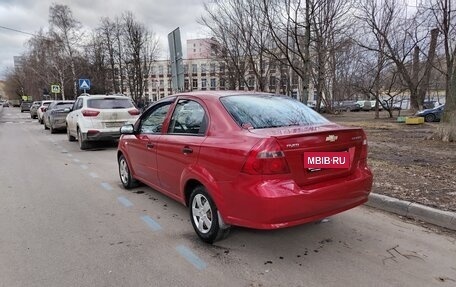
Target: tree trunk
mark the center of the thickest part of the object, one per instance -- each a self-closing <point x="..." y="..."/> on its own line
<point x="424" y="85"/>
<point x="414" y="103"/>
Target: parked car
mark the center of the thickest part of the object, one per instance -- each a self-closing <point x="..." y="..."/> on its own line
<point x="388" y="104"/>
<point x="25" y="106"/>
<point x="432" y="115"/>
<point x="41" y="110"/>
<point x="99" y="117"/>
<point x="237" y="158"/>
<point x="5" y="104"/>
<point x="34" y="109"/>
<point x="54" y="118"/>
<point x="380" y="107"/>
<point x="347" y="106"/>
<point x="430" y="104"/>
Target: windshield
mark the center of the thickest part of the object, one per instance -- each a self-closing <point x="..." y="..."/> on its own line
<point x="268" y="111"/>
<point x="110" y="103"/>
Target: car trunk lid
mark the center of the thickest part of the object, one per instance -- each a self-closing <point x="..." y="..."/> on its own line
<point x="296" y="141"/>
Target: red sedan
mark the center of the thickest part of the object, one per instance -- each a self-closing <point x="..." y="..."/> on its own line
<point x="246" y="159"/>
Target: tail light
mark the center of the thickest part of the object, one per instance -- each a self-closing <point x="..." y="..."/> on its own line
<point x="43" y="109"/>
<point x="133" y="112"/>
<point x="266" y="158"/>
<point x="90" y="113"/>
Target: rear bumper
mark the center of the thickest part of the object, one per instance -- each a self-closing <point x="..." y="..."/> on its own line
<point x="59" y="123"/>
<point x="281" y="203"/>
<point x="96" y="135"/>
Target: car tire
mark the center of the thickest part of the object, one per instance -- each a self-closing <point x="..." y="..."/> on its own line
<point x="82" y="143"/>
<point x="204" y="216"/>
<point x="45" y="126"/>
<point x="429" y="118"/>
<point x="125" y="175"/>
<point x="51" y="129"/>
<point x="40" y="121"/>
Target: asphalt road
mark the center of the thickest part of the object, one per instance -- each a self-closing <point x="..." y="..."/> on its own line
<point x="65" y="220"/>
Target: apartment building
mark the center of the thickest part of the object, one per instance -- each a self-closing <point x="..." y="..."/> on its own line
<point x="202" y="71"/>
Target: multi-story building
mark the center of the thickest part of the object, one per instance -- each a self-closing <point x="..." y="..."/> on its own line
<point x="203" y="71"/>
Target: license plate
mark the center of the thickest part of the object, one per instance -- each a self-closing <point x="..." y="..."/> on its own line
<point x="114" y="125"/>
<point x="317" y="160"/>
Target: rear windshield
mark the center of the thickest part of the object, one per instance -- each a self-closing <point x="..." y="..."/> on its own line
<point x="63" y="105"/>
<point x="110" y="103"/>
<point x="260" y="111"/>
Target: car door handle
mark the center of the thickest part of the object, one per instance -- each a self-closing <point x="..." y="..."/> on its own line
<point x="150" y="145"/>
<point x="187" y="150"/>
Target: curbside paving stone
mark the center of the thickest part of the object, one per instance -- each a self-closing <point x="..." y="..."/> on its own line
<point x="431" y="215"/>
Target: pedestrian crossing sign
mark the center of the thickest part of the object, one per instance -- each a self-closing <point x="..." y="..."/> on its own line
<point x="84" y="84"/>
<point x="55" y="89"/>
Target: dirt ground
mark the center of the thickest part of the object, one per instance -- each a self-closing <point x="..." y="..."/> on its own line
<point x="406" y="165"/>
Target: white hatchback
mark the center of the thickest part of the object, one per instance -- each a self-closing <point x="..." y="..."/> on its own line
<point x="99" y="118"/>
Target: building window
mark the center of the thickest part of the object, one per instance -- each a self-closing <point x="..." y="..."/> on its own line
<point x="222" y="83"/>
<point x="203" y="68"/>
<point x="213" y="81"/>
<point x="194" y="68"/>
<point x="272" y="81"/>
<point x="241" y="83"/>
<point x="222" y="67"/>
<point x="195" y="84"/>
<point x="162" y="84"/>
<point x="186" y="69"/>
<point x="212" y="68"/>
<point x="203" y="84"/>
<point x="186" y="85"/>
<point x="251" y="82"/>
<point x="160" y="70"/>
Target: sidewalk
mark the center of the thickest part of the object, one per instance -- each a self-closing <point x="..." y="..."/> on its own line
<point x="427" y="214"/>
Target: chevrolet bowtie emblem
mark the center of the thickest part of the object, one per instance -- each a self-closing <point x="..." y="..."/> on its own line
<point x="331" y="138"/>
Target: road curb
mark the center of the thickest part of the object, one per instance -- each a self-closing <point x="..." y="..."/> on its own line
<point x="435" y="216"/>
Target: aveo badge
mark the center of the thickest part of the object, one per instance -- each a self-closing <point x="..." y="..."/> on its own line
<point x="315" y="160"/>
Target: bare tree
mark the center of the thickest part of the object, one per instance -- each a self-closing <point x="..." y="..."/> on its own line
<point x="445" y="19"/>
<point x="232" y="27"/>
<point x="141" y="48"/>
<point x="65" y="29"/>
<point x="289" y="23"/>
<point x="400" y="37"/>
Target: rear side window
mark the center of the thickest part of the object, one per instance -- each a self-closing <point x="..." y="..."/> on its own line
<point x="269" y="111"/>
<point x="110" y="103"/>
<point x="63" y="105"/>
<point x="189" y="117"/>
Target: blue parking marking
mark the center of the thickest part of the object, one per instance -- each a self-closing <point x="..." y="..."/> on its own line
<point x="106" y="186"/>
<point x="125" y="202"/>
<point x="94" y="175"/>
<point x="191" y="257"/>
<point x="151" y="223"/>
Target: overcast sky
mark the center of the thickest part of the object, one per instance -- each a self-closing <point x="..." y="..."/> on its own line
<point x="159" y="16"/>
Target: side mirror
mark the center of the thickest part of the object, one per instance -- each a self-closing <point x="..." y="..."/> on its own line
<point x="127" y="129"/>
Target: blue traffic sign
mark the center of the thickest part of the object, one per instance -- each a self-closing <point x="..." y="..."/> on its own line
<point x="84" y="84"/>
